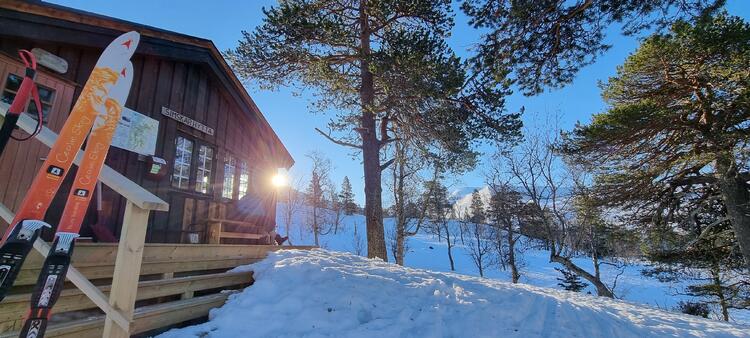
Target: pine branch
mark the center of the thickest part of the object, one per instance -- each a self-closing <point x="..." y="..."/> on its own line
<point x="386" y="164"/>
<point x="337" y="141"/>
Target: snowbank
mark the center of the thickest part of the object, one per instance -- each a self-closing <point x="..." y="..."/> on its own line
<point x="321" y="293"/>
<point x="425" y="251"/>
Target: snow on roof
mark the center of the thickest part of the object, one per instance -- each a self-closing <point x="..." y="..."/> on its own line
<point x="320" y="293"/>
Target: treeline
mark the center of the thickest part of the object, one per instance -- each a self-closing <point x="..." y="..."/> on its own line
<point x="320" y="199"/>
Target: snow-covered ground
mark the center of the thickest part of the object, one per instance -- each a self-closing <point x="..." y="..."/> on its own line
<point x="426" y="252"/>
<point x="322" y="293"/>
<point x="336" y="293"/>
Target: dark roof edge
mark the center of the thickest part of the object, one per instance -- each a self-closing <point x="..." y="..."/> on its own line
<point x="88" y="18"/>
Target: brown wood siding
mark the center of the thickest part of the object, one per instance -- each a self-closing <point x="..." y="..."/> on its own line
<point x="191" y="89"/>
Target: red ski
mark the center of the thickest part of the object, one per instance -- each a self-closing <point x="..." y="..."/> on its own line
<point x="26" y="225"/>
<point x="51" y="279"/>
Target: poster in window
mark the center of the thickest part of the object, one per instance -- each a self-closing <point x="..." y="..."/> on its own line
<point x="136" y="132"/>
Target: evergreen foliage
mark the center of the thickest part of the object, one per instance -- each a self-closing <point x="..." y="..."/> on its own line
<point x="570" y="281"/>
<point x="478" y="212"/>
<point x="674" y="137"/>
<point x="347" y="197"/>
<point x="544" y="43"/>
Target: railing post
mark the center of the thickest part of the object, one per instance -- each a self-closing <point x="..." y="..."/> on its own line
<point x="214" y="232"/>
<point x="127" y="267"/>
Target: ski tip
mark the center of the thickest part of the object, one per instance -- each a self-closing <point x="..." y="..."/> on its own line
<point x="121" y="48"/>
<point x="121" y="89"/>
<point x="127" y="43"/>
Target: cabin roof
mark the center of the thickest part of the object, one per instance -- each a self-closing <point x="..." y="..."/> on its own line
<point x="205" y="52"/>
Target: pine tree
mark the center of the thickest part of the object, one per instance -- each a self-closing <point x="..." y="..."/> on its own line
<point x="676" y="124"/>
<point x="478" y="212"/>
<point x="570" y="281"/>
<point x="384" y="66"/>
<point x="347" y="197"/>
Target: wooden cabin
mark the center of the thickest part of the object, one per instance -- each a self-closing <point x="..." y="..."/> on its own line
<point x="220" y="153"/>
<point x="217" y="145"/>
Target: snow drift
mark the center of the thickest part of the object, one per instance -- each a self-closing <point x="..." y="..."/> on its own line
<point x="320" y="293"/>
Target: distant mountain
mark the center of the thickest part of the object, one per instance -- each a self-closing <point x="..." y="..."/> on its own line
<point x="462" y="200"/>
<point x="459" y="193"/>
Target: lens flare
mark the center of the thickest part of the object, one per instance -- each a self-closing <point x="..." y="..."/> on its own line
<point x="279" y="180"/>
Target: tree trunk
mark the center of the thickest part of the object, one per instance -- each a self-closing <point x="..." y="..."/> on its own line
<point x="595" y="260"/>
<point x="601" y="289"/>
<point x="399" y="205"/>
<point x="370" y="147"/>
<point x="514" y="275"/>
<point x="716" y="274"/>
<point x="315" y="226"/>
<point x="479" y="253"/>
<point x="450" y="247"/>
<point x="400" y="248"/>
<point x="734" y="192"/>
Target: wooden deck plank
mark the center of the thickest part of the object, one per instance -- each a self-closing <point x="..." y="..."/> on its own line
<point x="145" y="319"/>
<point x="15" y="306"/>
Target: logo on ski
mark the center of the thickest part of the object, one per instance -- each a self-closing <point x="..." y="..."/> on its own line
<point x="36" y="325"/>
<point x="81" y="193"/>
<point x="55" y="171"/>
<point x="49" y="286"/>
<point x="4" y="271"/>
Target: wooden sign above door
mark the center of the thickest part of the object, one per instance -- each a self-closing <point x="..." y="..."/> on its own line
<point x="186" y="120"/>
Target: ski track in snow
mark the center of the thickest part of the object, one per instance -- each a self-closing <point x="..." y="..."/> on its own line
<point x="320" y="293"/>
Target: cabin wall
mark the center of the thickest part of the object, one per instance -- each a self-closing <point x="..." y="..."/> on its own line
<point x="189" y="88"/>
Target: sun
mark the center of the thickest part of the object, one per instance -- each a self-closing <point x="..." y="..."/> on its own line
<point x="279" y="180"/>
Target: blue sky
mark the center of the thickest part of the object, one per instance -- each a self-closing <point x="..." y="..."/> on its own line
<point x="223" y="20"/>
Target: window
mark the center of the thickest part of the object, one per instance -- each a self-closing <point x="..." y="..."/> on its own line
<point x="203" y="170"/>
<point x="230" y="165"/>
<point x="46" y="95"/>
<point x="182" y="159"/>
<point x="244" y="178"/>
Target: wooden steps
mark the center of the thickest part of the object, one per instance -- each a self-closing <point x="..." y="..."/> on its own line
<point x="178" y="282"/>
<point x="97" y="261"/>
<point x="14" y="307"/>
<point x="145" y="318"/>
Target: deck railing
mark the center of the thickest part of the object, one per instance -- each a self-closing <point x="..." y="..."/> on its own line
<point x="120" y="305"/>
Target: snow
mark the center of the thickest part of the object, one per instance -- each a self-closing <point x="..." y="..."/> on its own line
<point x="320" y="293"/>
<point x="426" y="252"/>
<point x="294" y="291"/>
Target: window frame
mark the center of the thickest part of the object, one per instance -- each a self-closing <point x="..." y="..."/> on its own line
<point x="232" y="194"/>
<point x="211" y="169"/>
<point x="247" y="172"/>
<point x="190" y="166"/>
<point x="192" y="187"/>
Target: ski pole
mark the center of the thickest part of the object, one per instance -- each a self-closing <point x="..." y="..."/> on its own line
<point x="26" y="89"/>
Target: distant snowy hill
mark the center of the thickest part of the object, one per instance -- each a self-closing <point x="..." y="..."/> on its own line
<point x="322" y="293"/>
<point x="462" y="204"/>
<point x="459" y="193"/>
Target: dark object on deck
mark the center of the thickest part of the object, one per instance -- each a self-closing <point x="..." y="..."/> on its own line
<point x="280" y="240"/>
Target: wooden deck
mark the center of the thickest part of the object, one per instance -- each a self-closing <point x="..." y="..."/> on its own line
<point x="177" y="283"/>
